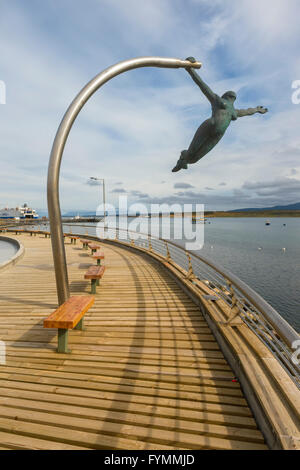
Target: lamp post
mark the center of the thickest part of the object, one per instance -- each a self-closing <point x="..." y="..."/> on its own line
<point x="103" y="198"/>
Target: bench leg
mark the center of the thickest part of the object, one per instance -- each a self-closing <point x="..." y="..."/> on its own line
<point x="97" y="282"/>
<point x="93" y="286"/>
<point x="63" y="336"/>
<point x="98" y="262"/>
<point x="79" y="326"/>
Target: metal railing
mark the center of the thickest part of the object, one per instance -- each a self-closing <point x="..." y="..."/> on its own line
<point x="262" y="319"/>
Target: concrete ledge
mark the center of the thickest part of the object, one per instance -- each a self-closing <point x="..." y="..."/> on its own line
<point x="19" y="255"/>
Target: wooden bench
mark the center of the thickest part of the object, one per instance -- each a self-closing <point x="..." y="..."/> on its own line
<point x="84" y="243"/>
<point x="94" y="247"/>
<point x="67" y="316"/>
<point x="47" y="234"/>
<point x="99" y="255"/>
<point x="94" y="273"/>
<point x="73" y="239"/>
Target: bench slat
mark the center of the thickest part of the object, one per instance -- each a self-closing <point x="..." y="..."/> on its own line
<point x="70" y="313"/>
<point x="94" y="272"/>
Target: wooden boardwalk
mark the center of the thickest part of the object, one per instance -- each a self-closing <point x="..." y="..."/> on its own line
<point x="146" y="374"/>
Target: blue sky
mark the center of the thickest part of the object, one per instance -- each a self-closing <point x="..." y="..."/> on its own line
<point x="132" y="131"/>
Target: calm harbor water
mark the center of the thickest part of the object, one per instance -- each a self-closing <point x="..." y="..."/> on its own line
<point x="7" y="251"/>
<point x="267" y="258"/>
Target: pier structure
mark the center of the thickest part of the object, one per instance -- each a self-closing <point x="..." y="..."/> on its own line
<point x="164" y="362"/>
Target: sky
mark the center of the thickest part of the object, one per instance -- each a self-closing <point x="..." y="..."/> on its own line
<point x="131" y="132"/>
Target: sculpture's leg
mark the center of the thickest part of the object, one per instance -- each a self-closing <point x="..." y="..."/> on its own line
<point x="203" y="150"/>
<point x="203" y="142"/>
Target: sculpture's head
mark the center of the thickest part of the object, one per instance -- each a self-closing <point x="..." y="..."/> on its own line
<point x="230" y="96"/>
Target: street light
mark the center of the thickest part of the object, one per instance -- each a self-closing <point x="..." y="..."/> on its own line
<point x="103" y="186"/>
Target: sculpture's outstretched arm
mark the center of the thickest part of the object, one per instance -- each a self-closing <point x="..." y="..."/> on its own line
<point x="210" y="95"/>
<point x="250" y="111"/>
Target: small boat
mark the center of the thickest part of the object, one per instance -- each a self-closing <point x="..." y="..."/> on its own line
<point x="268" y="222"/>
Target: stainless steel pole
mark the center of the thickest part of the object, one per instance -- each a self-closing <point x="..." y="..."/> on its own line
<point x="57" y="239"/>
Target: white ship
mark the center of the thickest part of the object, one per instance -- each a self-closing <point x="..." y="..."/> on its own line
<point x="17" y="213"/>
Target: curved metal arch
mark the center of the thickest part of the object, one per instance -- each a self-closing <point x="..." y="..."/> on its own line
<point x="57" y="239"/>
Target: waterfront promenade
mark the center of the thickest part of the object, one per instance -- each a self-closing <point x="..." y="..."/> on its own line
<point x="145" y="374"/>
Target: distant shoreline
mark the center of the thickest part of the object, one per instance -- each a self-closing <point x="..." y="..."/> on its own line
<point x="264" y="214"/>
<point x="207" y="215"/>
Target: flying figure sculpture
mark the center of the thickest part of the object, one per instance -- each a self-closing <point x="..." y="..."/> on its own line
<point x="212" y="130"/>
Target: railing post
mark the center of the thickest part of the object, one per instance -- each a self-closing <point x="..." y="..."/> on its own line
<point x="234" y="311"/>
<point x="190" y="274"/>
<point x="168" y="252"/>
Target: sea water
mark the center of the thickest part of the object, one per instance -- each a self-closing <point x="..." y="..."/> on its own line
<point x="7" y="251"/>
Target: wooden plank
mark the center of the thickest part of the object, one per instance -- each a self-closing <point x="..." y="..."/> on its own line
<point x="93" y="416"/>
<point x="181" y="433"/>
<point x="64" y="436"/>
<point x="45" y="394"/>
<point x="20" y="442"/>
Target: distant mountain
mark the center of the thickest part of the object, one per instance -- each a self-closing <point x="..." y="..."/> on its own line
<point x="290" y="207"/>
